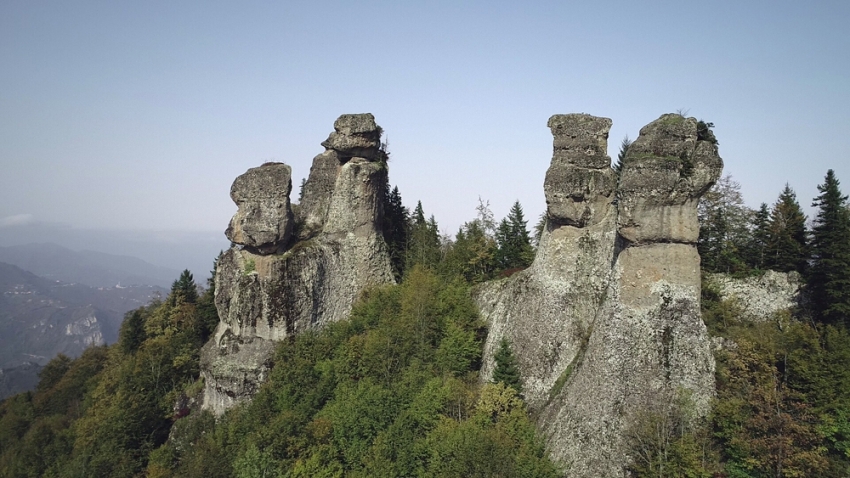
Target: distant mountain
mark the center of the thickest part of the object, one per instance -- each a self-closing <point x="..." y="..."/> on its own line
<point x="90" y="268"/>
<point x="40" y="318"/>
<point x="173" y="250"/>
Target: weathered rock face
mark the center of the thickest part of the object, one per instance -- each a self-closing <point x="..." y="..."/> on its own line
<point x="761" y="297"/>
<point x="264" y="221"/>
<point x="354" y="136"/>
<point x="262" y="298"/>
<point x="606" y="321"/>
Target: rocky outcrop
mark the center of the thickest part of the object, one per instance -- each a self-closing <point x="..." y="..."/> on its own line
<point x="264" y="220"/>
<point x="606" y="323"/>
<point x="278" y="286"/>
<point x="760" y="297"/>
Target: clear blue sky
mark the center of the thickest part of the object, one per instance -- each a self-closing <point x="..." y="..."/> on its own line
<point x="139" y="115"/>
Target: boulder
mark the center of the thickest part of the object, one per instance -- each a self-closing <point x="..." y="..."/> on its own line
<point x="264" y="220"/>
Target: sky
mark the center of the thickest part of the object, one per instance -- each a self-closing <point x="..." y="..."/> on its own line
<point x="137" y="116"/>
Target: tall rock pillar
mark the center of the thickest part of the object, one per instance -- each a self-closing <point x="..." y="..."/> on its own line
<point x="288" y="273"/>
<point x="606" y="322"/>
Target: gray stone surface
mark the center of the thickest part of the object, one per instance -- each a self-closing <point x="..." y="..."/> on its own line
<point x="264" y="220"/>
<point x="761" y="297"/>
<point x="606" y="321"/>
<point x="264" y="298"/>
<point x="579" y="184"/>
<point x="355" y="136"/>
<point x="665" y="172"/>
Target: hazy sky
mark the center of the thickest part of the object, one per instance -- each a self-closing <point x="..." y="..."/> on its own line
<point x="139" y="115"/>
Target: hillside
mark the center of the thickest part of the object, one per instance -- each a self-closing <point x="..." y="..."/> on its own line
<point x="40" y="318"/>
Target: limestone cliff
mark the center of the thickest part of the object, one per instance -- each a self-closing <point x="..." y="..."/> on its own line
<point x="288" y="273"/>
<point x="606" y="321"/>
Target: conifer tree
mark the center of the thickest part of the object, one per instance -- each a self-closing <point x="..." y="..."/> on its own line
<point x="829" y="281"/>
<point x="185" y="288"/>
<point x="506" y="370"/>
<point x="514" y="241"/>
<point x="787" y="246"/>
<point x="723" y="234"/>
<point x="757" y="246"/>
<point x="132" y="332"/>
<point x="396" y="224"/>
<point x="423" y="244"/>
<point x="621" y="156"/>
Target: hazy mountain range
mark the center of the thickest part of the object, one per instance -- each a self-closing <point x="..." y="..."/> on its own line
<point x="40" y="317"/>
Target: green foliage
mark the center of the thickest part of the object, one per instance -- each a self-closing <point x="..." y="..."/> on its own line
<point x="514" y="244"/>
<point x="423" y="241"/>
<point x="393" y="391"/>
<point x="506" y="371"/>
<point x="705" y="133"/>
<point x="395" y="227"/>
<point x="667" y="440"/>
<point x="621" y="156"/>
<point x="250" y="267"/>
<point x="472" y="255"/>
<point x="829" y="281"/>
<point x="104" y="413"/>
<point x="787" y="245"/>
<point x="724" y="234"/>
<point x="132" y="333"/>
<point x="184" y="287"/>
<point x="756" y="247"/>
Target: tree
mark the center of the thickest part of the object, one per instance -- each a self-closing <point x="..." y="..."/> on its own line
<point x="787" y="248"/>
<point x="514" y="244"/>
<point x="132" y="332"/>
<point x="396" y="224"/>
<point x="621" y="156"/>
<point x="829" y="281"/>
<point x="185" y="287"/>
<point x="506" y="370"/>
<point x="423" y="243"/>
<point x="723" y="234"/>
<point x="759" y="237"/>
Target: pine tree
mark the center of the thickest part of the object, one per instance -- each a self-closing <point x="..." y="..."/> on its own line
<point x="787" y="245"/>
<point x="514" y="242"/>
<point x="396" y="223"/>
<point x="423" y="244"/>
<point x="185" y="287"/>
<point x="723" y="234"/>
<point x="506" y="370"/>
<point x="829" y="281"/>
<point x="621" y="156"/>
<point x="132" y="332"/>
<point x="757" y="246"/>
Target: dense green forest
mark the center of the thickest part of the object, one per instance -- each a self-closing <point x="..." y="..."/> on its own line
<point x="395" y="391"/>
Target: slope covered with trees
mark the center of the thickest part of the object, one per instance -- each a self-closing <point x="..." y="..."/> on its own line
<point x="395" y="391"/>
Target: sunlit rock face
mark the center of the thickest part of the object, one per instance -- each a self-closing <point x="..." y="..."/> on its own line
<point x="264" y="221"/>
<point x="297" y="277"/>
<point x="606" y="322"/>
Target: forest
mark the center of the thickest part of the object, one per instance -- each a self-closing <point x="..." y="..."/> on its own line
<point x="395" y="390"/>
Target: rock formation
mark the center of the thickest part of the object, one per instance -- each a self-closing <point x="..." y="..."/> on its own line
<point x="761" y="297"/>
<point x="287" y="272"/>
<point x="606" y="322"/>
